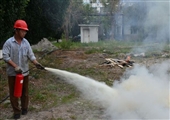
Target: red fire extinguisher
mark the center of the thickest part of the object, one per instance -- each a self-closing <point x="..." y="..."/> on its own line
<point x="18" y="85"/>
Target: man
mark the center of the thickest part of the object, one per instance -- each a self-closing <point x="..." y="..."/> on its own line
<point x="16" y="52"/>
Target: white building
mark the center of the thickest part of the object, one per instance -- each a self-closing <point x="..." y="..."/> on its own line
<point x="89" y="33"/>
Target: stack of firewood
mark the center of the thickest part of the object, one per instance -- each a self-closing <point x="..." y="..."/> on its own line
<point x="117" y="62"/>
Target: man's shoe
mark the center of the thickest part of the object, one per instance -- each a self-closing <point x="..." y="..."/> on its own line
<point x="24" y="112"/>
<point x="16" y="116"/>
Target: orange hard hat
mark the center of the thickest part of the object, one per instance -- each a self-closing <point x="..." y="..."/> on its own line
<point x="21" y="24"/>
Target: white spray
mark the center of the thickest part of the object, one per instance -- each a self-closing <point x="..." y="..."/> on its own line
<point x="143" y="95"/>
<point x="91" y="89"/>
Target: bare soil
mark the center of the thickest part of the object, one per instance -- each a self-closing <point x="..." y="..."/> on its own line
<point x="78" y="108"/>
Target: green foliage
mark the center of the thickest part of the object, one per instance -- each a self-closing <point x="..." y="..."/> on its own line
<point x="137" y="13"/>
<point x="65" y="44"/>
<point x="10" y="11"/>
<point x="45" y="19"/>
<point x="77" y="13"/>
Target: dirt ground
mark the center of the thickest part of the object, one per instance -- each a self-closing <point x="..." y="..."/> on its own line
<point x="79" y="109"/>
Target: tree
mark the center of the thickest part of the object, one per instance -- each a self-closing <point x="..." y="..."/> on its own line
<point x="135" y="15"/>
<point x="73" y="16"/>
<point x="10" y="11"/>
<point x="113" y="8"/>
<point x="106" y="18"/>
<point x="45" y="18"/>
<point x="79" y="13"/>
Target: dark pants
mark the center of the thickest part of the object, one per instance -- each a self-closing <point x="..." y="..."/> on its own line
<point x="24" y="98"/>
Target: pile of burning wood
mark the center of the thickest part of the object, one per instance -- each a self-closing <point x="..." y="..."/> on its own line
<point x="121" y="63"/>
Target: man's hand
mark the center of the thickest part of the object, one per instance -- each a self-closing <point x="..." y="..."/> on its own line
<point x="18" y="69"/>
<point x="39" y="66"/>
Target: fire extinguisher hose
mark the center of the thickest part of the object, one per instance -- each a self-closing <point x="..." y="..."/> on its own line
<point x="27" y="70"/>
<point x="4" y="99"/>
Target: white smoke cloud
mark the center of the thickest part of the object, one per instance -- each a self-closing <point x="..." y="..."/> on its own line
<point x="144" y="94"/>
<point x="155" y="21"/>
<point x="158" y="17"/>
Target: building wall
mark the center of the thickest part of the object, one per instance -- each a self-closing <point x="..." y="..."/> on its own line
<point x="89" y="33"/>
<point x="96" y="4"/>
<point x="94" y="34"/>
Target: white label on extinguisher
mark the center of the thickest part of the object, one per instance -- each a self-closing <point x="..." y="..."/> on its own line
<point x="21" y="81"/>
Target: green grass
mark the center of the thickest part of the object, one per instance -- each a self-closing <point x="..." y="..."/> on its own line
<point x="113" y="46"/>
<point x="110" y="47"/>
<point x="67" y="98"/>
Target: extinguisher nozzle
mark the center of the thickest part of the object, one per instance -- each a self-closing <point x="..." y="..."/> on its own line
<point x="42" y="68"/>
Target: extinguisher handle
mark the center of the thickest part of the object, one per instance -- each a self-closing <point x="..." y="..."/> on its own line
<point x="18" y="70"/>
<point x="42" y="67"/>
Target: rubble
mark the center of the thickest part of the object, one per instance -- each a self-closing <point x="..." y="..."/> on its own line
<point x="44" y="45"/>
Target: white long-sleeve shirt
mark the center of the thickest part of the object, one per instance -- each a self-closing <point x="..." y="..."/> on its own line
<point x="19" y="54"/>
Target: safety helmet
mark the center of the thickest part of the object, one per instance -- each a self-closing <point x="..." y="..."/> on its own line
<point x="21" y="24"/>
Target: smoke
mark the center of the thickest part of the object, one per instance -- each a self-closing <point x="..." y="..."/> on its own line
<point x="151" y="20"/>
<point x="142" y="93"/>
<point x="157" y="21"/>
